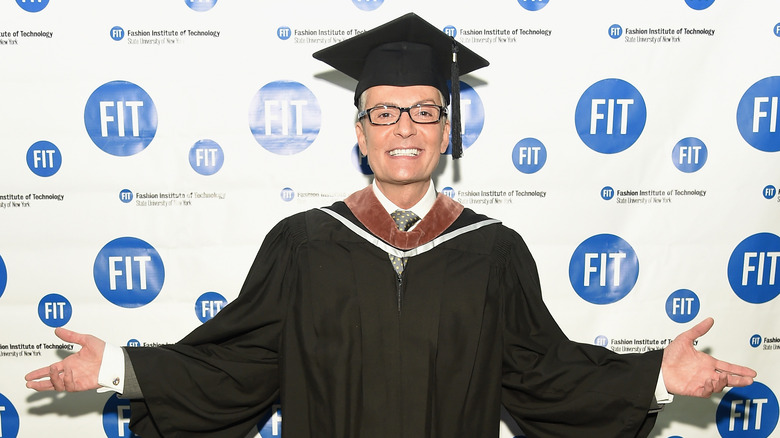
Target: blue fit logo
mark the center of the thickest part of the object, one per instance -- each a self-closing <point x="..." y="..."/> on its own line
<point x="284" y="33"/>
<point x="206" y="157"/>
<point x="603" y="269"/>
<point x="117" y="33"/>
<point x="757" y="115"/>
<point x="755" y="341"/>
<point x="367" y="5"/>
<point x="689" y="155"/>
<point x="116" y="418"/>
<point x="749" y="412"/>
<point x="129" y="272"/>
<point x="271" y="426"/>
<point x="682" y="306"/>
<point x="284" y="117"/>
<point x="699" y="4"/>
<point x="529" y="155"/>
<point x="753" y="268"/>
<point x="607" y="193"/>
<point x="532" y="5"/>
<point x="201" y="5"/>
<point x="126" y="196"/>
<point x="287" y="194"/>
<point x="120" y="118"/>
<point x="54" y="310"/>
<point x="610" y="116"/>
<point x="769" y="192"/>
<point x="3" y="276"/>
<point x="448" y="192"/>
<point x="601" y="341"/>
<point x="615" y="31"/>
<point x="472" y="115"/>
<point x="43" y="158"/>
<point x="208" y="305"/>
<point x="9" y="418"/>
<point x="32" y="6"/>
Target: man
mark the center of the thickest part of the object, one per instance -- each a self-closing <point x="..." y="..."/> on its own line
<point x="366" y="330"/>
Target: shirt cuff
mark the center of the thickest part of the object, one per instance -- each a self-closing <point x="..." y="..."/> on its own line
<point x="662" y="396"/>
<point x="112" y="370"/>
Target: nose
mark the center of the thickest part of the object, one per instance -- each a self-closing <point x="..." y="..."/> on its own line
<point x="405" y="126"/>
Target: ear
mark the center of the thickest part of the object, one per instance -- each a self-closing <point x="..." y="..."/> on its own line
<point x="361" y="138"/>
<point x="445" y="140"/>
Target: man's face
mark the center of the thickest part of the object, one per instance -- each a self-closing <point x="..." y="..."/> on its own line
<point x="406" y="152"/>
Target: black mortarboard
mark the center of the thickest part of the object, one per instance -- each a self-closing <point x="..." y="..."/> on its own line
<point x="406" y="51"/>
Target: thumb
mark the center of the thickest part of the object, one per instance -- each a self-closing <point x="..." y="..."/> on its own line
<point x="700" y="329"/>
<point x="69" y="336"/>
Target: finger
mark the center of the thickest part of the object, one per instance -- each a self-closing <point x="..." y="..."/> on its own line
<point x="735" y="369"/>
<point x="700" y="329"/>
<point x="55" y="376"/>
<point x="738" y="381"/>
<point x="38" y="374"/>
<point x="40" y="385"/>
<point x="69" y="336"/>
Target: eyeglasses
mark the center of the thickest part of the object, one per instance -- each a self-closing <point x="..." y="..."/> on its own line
<point x="424" y="113"/>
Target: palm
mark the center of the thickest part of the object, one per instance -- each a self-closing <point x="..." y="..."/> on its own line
<point x="77" y="372"/>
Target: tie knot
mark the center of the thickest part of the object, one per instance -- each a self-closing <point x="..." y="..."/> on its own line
<point x="404" y="219"/>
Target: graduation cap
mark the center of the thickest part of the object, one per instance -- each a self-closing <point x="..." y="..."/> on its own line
<point x="403" y="52"/>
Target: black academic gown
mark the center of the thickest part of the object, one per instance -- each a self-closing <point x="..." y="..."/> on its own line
<point x="323" y="324"/>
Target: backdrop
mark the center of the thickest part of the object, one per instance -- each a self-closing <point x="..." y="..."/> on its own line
<point x="147" y="147"/>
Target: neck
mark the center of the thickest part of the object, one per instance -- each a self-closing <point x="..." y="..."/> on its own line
<point x="404" y="196"/>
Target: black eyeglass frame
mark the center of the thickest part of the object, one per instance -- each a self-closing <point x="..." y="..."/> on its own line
<point x="367" y="112"/>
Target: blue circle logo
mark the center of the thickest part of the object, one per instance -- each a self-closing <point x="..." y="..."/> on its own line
<point x="283" y="33"/>
<point x="360" y="161"/>
<point x="448" y="192"/>
<point x="610" y="116"/>
<point x="287" y="194"/>
<point x="201" y="5"/>
<point x="120" y="118"/>
<point x="451" y="31"/>
<point x="769" y="192"/>
<point x="755" y="341"/>
<point x="284" y="117"/>
<point x="472" y="116"/>
<point x="753" y="269"/>
<point x="757" y="115"/>
<point x="601" y="341"/>
<point x="32" y="6"/>
<point x="117" y="33"/>
<point x="615" y="31"/>
<point x="750" y="412"/>
<point x="208" y="305"/>
<point x="532" y="5"/>
<point x="776" y="30"/>
<point x="603" y="269"/>
<point x="116" y="418"/>
<point x="43" y="158"/>
<point x="3" y="276"/>
<point x="9" y="418"/>
<point x="699" y="4"/>
<point x="607" y="193"/>
<point x="529" y="155"/>
<point x="129" y="272"/>
<point x="367" y="5"/>
<point x="126" y="196"/>
<point x="133" y="343"/>
<point x="682" y="306"/>
<point x="206" y="157"/>
<point x="689" y="155"/>
<point x="54" y="310"/>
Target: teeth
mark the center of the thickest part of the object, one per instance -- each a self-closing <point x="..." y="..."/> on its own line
<point x="404" y="152"/>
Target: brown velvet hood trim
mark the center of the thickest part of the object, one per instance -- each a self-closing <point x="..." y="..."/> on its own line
<point x="370" y="212"/>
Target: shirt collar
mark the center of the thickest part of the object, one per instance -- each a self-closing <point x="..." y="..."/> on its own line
<point x="421" y="208"/>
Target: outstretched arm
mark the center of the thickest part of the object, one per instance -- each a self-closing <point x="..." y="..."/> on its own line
<point x="690" y="372"/>
<point x="77" y="372"/>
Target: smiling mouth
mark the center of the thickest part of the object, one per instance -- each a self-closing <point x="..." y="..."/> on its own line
<point x="404" y="152"/>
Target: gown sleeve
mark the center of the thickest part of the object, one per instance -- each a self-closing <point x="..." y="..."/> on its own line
<point x="223" y="377"/>
<point x="554" y="387"/>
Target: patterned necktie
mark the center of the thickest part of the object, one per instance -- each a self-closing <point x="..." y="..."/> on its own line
<point x="404" y="219"/>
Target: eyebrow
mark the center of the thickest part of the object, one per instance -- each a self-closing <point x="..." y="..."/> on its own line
<point x="419" y="102"/>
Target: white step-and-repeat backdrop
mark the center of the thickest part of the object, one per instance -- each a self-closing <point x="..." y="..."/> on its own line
<point x="146" y="147"/>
